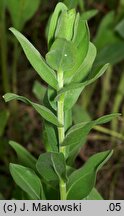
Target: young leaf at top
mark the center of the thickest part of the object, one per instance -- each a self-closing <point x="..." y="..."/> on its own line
<point x="53" y="21"/>
<point x="81" y="42"/>
<point x="62" y="55"/>
<point x="27" y="180"/>
<point x="82" y="181"/>
<point x="42" y="110"/>
<point x="25" y="158"/>
<point x="36" y="60"/>
<point x="65" y="25"/>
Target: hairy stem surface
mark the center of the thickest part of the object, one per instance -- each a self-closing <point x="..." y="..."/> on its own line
<point x="61" y="133"/>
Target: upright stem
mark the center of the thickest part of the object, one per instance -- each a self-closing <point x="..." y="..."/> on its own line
<point x="61" y="133"/>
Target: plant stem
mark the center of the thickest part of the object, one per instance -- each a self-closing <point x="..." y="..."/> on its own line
<point x="61" y="131"/>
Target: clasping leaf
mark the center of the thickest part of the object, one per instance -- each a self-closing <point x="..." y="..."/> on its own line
<point x="62" y="55"/>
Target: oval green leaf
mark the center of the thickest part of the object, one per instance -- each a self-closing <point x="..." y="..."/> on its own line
<point x="62" y="55"/>
<point x="36" y="60"/>
<point x="27" y="180"/>
<point x="78" y="132"/>
<point x="51" y="166"/>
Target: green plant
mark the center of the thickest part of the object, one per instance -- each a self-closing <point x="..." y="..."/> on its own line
<point x="67" y="71"/>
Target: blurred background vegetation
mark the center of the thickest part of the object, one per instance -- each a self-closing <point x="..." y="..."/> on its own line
<point x="20" y="123"/>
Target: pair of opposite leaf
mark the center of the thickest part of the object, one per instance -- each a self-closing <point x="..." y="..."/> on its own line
<point x="49" y="168"/>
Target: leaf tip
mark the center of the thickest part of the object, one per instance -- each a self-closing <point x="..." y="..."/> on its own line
<point x="117" y="114"/>
<point x="11" y="143"/>
<point x="107" y="65"/>
<point x="10" y="165"/>
<point x="11" y="29"/>
<point x="5" y="97"/>
<point x="110" y="153"/>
